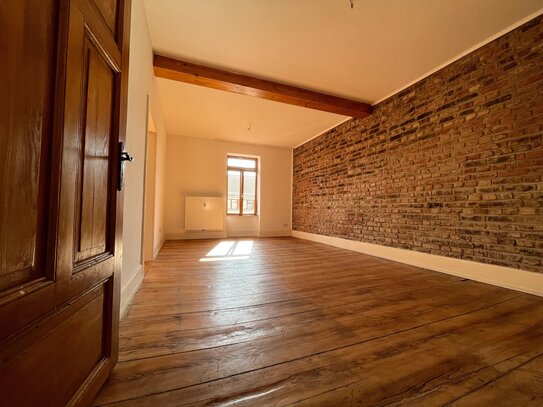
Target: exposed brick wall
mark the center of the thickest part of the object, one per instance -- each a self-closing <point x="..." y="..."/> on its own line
<point x="451" y="166"/>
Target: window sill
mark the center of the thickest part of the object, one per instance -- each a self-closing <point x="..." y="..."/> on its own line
<point x="235" y="214"/>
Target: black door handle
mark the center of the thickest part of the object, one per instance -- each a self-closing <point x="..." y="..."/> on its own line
<point x="124" y="156"/>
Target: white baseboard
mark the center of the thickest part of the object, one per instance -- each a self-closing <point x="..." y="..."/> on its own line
<point x="225" y="234"/>
<point x="275" y="233"/>
<point x="130" y="289"/>
<point x="243" y="233"/>
<point x="221" y="234"/>
<point x="516" y="279"/>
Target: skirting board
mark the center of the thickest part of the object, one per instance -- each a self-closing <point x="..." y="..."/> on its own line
<point x="275" y="233"/>
<point x="515" y="279"/>
<point x="242" y="233"/>
<point x="195" y="235"/>
<point x="130" y="289"/>
<point x="223" y="235"/>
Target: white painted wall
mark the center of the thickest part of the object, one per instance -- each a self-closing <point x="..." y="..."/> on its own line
<point x="197" y="167"/>
<point x="141" y="83"/>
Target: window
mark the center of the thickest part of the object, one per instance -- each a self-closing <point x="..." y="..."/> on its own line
<point x="241" y="198"/>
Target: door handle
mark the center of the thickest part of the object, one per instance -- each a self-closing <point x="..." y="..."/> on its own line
<point x="124" y="156"/>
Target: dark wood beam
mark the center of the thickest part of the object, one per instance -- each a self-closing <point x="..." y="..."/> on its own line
<point x="188" y="72"/>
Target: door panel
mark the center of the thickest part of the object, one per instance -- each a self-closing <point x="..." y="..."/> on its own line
<point x="28" y="35"/>
<point x="62" y="115"/>
<point x="93" y="192"/>
<point x="18" y="308"/>
<point x="25" y="113"/>
<point x="71" y="364"/>
<point x="87" y="193"/>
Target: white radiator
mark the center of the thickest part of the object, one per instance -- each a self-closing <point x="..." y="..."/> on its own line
<point x="204" y="213"/>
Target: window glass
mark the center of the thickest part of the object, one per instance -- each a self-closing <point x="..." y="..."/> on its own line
<point x="234" y="192"/>
<point x="242" y="186"/>
<point x="249" y="192"/>
<point x="241" y="163"/>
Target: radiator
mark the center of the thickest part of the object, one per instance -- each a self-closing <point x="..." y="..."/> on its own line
<point x="204" y="213"/>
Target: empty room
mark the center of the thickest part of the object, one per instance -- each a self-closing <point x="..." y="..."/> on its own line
<point x="271" y="203"/>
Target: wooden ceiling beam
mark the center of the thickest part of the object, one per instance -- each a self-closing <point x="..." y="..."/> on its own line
<point x="188" y="72"/>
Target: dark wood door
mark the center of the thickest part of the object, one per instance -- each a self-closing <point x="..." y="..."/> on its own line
<point x="63" y="78"/>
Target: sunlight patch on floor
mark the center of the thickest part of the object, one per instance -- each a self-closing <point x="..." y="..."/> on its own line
<point x="229" y="250"/>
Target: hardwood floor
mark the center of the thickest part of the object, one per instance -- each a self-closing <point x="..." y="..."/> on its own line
<point x="283" y="321"/>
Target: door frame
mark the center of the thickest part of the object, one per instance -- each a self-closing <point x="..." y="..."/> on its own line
<point x="148" y="226"/>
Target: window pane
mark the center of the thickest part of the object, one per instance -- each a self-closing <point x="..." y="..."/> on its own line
<point x="249" y="192"/>
<point x="233" y="199"/>
<point x="241" y="162"/>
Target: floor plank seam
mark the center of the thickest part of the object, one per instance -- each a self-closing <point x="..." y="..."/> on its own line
<point x="450" y="403"/>
<point x="299" y="322"/>
<point x="314" y="354"/>
<point x="281" y="315"/>
<point x="127" y="318"/>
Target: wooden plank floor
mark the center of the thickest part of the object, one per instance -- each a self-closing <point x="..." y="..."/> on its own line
<point x="282" y="321"/>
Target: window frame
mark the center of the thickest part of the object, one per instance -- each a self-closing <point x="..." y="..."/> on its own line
<point x="242" y="170"/>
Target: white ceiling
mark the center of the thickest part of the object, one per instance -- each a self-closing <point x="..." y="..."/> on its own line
<point x="191" y="110"/>
<point x="365" y="53"/>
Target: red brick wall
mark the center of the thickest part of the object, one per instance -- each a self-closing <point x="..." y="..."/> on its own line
<point x="451" y="166"/>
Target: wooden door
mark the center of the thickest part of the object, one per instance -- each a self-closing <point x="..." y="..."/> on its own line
<point x="62" y="115"/>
